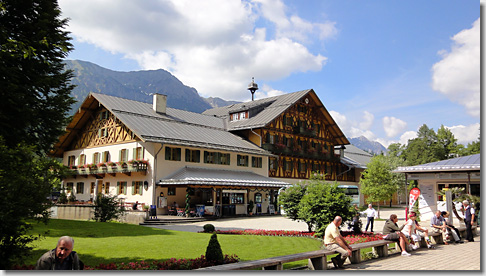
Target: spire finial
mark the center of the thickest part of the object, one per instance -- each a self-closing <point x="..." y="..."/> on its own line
<point x="252" y="87"/>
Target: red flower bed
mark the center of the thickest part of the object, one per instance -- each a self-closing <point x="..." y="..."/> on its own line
<point x="352" y="238"/>
<point x="261" y="232"/>
<point x="171" y="264"/>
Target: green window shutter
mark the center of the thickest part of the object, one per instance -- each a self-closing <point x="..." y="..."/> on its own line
<point x="141" y="187"/>
<point x="133" y="187"/>
<point x="134" y="154"/>
<point x="118" y="187"/>
<point x="125" y="188"/>
<point x="120" y="158"/>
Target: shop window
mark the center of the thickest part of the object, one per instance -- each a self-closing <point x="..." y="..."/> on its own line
<point x="171" y="191"/>
<point x="258" y="198"/>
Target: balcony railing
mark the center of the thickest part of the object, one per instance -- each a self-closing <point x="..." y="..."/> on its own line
<point x="103" y="169"/>
<point x="299" y="152"/>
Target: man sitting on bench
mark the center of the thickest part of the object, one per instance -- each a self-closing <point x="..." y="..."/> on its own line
<point x="392" y="232"/>
<point x="334" y="241"/>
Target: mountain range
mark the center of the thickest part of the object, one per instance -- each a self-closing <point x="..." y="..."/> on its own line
<point x="140" y="85"/>
<point x="363" y="143"/>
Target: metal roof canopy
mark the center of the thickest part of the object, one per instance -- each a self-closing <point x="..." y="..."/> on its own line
<point x="190" y="175"/>
<point x="465" y="163"/>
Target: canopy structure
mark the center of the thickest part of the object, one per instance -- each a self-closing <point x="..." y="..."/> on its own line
<point x="198" y="176"/>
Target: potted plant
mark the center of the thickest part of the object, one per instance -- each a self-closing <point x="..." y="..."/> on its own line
<point x="146" y="209"/>
<point x="251" y="204"/>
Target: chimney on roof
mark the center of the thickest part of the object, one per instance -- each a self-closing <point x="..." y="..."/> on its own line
<point x="160" y="103"/>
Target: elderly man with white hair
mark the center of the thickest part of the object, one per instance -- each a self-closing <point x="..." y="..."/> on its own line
<point x="60" y="258"/>
<point x="468" y="212"/>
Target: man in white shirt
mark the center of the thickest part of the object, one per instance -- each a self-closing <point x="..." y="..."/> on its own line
<point x="371" y="214"/>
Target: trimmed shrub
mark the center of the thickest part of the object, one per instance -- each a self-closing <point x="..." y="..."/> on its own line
<point x="208" y="228"/>
<point x="214" y="253"/>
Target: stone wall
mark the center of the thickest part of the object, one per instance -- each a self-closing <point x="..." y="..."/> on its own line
<point x="86" y="212"/>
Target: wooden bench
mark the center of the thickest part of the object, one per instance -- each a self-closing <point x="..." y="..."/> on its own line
<point x="380" y="247"/>
<point x="317" y="260"/>
<point x="436" y="237"/>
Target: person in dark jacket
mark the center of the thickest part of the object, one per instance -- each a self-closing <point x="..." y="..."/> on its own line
<point x="392" y="232"/>
<point x="60" y="258"/>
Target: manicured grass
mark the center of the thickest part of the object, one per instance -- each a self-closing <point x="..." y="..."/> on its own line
<point x="107" y="242"/>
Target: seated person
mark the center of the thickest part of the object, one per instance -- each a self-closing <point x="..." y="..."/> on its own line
<point x="438" y="225"/>
<point x="410" y="231"/>
<point x="60" y="258"/>
<point x="423" y="232"/>
<point x="334" y="241"/>
<point x="392" y="232"/>
<point x="451" y="229"/>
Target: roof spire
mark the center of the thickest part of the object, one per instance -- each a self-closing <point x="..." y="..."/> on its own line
<point x="252" y="87"/>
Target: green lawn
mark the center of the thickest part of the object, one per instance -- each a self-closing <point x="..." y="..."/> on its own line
<point x="98" y="242"/>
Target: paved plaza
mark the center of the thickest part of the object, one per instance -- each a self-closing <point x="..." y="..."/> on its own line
<point x="464" y="256"/>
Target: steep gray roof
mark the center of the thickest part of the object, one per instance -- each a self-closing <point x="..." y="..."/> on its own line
<point x="190" y="175"/>
<point x="465" y="163"/>
<point x="272" y="107"/>
<point x="263" y="111"/>
<point x="176" y="127"/>
<point x="356" y="157"/>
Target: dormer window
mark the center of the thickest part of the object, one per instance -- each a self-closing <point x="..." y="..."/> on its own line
<point x="237" y="116"/>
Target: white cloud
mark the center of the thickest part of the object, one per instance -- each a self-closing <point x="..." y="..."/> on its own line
<point x="213" y="45"/>
<point x="457" y="75"/>
<point x="368" y="119"/>
<point x="351" y="128"/>
<point x="465" y="134"/>
<point x="393" y="126"/>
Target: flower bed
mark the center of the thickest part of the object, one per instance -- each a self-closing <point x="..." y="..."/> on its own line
<point x="171" y="264"/>
<point x="349" y="236"/>
<point x="352" y="238"/>
<point x="261" y="232"/>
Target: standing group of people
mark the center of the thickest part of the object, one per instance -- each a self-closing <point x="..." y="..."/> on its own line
<point x="407" y="236"/>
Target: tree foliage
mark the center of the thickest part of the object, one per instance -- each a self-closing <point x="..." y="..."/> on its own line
<point x="378" y="182"/>
<point x="35" y="93"/>
<point x="430" y="146"/>
<point x="214" y="253"/>
<point x="26" y="179"/>
<point x="316" y="203"/>
<point x="107" y="208"/>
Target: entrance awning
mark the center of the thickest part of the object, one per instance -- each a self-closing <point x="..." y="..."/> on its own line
<point x="197" y="176"/>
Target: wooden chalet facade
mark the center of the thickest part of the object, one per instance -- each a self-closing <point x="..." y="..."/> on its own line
<point x="298" y="130"/>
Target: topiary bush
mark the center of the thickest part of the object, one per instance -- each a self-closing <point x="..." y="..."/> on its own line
<point x="208" y="228"/>
<point x="214" y="253"/>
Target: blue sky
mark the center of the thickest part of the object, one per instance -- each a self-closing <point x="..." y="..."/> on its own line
<point x="382" y="68"/>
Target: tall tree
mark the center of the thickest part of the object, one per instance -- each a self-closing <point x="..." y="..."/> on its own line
<point x="447" y="143"/>
<point x="35" y="86"/>
<point x="378" y="182"/>
<point x="35" y="100"/>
